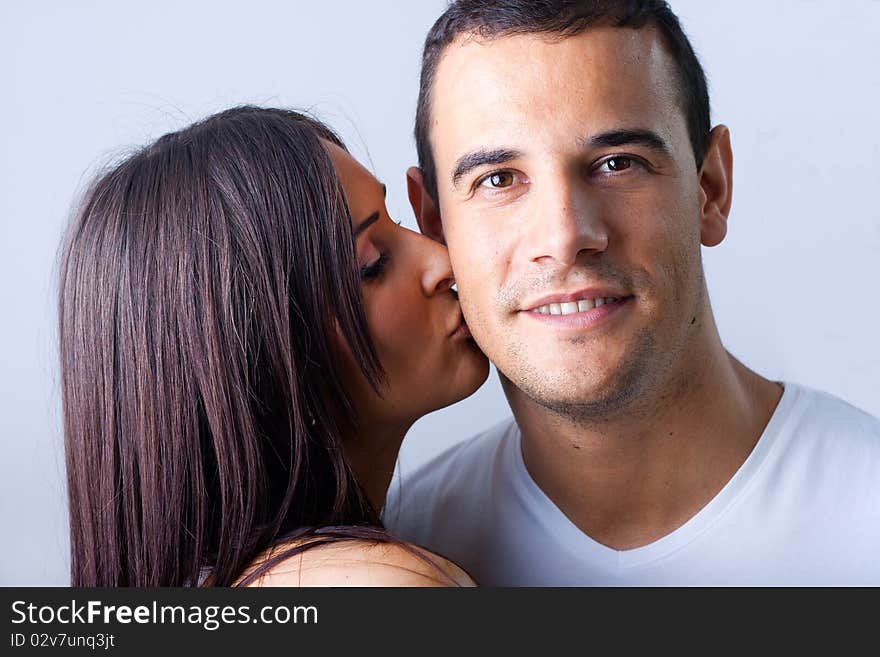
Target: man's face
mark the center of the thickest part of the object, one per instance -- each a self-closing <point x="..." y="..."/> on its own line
<point x="565" y="174"/>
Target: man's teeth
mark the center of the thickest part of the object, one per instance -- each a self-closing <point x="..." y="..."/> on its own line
<point x="571" y="307"/>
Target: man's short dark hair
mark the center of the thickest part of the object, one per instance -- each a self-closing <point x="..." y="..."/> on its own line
<point x="489" y="19"/>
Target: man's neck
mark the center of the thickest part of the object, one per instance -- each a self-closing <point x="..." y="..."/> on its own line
<point x="629" y="480"/>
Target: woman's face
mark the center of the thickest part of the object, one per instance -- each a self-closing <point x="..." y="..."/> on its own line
<point x="426" y="351"/>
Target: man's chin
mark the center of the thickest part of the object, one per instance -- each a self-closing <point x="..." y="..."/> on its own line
<point x="588" y="400"/>
<point x="597" y="404"/>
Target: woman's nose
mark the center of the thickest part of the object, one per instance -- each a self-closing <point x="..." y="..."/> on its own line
<point x="436" y="268"/>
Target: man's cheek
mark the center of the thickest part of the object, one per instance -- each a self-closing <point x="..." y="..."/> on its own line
<point x="473" y="261"/>
<point x="470" y="271"/>
<point x="473" y="306"/>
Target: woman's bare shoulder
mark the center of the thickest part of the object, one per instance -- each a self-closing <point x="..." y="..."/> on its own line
<point x="358" y="562"/>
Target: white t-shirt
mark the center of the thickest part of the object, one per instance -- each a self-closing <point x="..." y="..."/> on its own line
<point x="803" y="509"/>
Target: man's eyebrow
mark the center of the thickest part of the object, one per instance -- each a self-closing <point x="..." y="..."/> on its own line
<point x="470" y="161"/>
<point x="612" y="138"/>
<point x="373" y="218"/>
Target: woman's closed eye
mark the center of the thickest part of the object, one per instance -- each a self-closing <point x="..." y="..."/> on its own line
<point x="373" y="270"/>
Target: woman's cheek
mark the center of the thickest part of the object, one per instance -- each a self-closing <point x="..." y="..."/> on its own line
<point x="384" y="315"/>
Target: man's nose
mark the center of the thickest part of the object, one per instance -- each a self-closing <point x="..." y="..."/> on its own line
<point x="566" y="223"/>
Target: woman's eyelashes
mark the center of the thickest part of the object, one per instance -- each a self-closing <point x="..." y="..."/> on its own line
<point x="374" y="270"/>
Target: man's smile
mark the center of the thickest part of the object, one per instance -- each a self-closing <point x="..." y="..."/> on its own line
<point x="580" y="312"/>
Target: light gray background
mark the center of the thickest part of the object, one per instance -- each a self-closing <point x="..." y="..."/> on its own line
<point x="795" y="286"/>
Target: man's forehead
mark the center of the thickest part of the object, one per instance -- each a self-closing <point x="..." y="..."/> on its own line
<point x="499" y="86"/>
<point x="594" y="47"/>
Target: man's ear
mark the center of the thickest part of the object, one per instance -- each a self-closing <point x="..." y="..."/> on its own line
<point x="716" y="184"/>
<point x="427" y="215"/>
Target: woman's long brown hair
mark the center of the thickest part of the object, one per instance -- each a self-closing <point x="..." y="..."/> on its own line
<point x="201" y="282"/>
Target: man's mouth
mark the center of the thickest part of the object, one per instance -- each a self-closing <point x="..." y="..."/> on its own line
<point x="572" y="307"/>
<point x="578" y="310"/>
<point x="578" y="301"/>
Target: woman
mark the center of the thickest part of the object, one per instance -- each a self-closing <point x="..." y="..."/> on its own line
<point x="245" y="338"/>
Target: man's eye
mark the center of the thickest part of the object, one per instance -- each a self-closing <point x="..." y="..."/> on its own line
<point x="616" y="164"/>
<point x="497" y="180"/>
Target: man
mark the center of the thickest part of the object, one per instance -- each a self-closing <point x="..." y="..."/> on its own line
<point x="567" y="160"/>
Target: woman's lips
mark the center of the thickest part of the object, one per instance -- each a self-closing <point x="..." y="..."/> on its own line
<point x="461" y="330"/>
